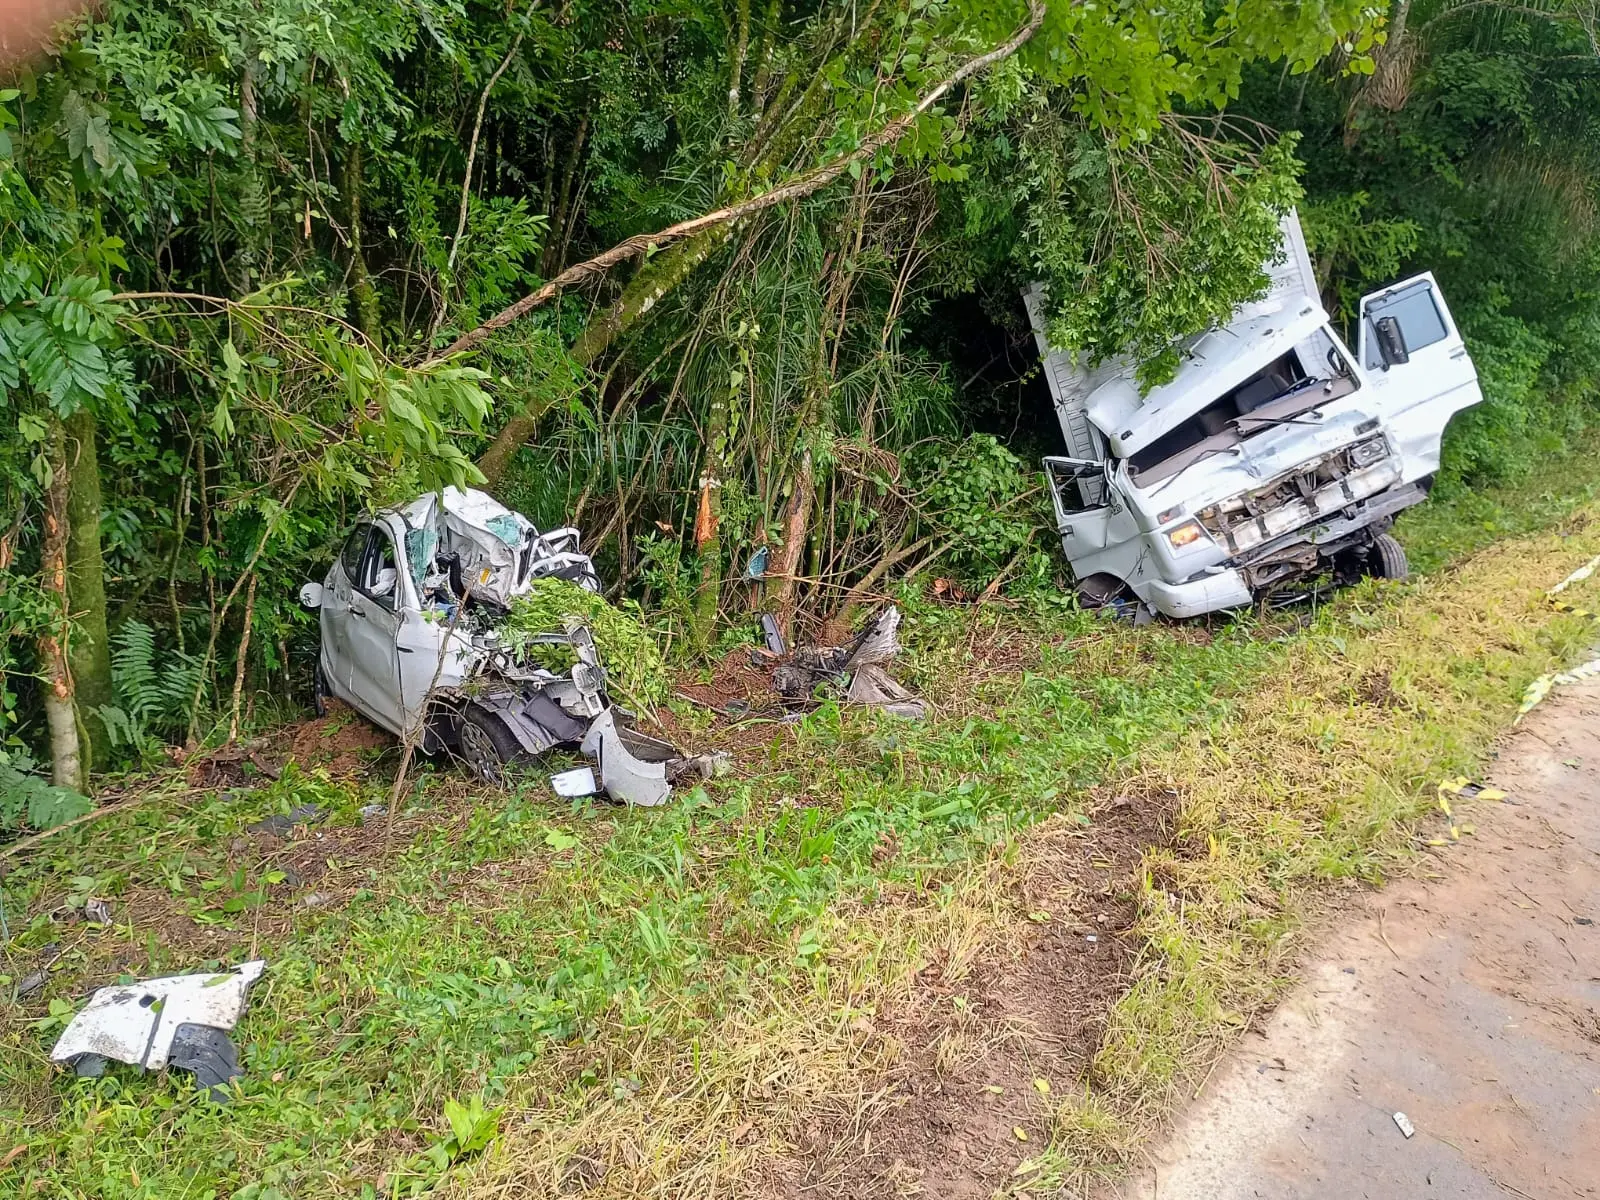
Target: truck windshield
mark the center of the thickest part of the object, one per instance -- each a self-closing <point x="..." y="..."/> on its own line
<point x="1308" y="376"/>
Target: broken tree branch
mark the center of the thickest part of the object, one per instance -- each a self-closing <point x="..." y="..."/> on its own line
<point x="795" y="189"/>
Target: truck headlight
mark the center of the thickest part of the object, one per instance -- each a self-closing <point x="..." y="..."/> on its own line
<point x="1368" y="453"/>
<point x="1184" y="534"/>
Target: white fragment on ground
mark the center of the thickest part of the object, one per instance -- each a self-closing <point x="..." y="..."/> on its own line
<point x="1404" y="1122"/>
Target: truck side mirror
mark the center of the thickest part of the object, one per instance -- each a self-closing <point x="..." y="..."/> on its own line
<point x="311" y="595"/>
<point x="1392" y="342"/>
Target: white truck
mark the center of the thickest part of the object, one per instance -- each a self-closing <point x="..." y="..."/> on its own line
<point x="1273" y="456"/>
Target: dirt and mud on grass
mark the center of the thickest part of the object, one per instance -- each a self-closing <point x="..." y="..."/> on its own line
<point x="971" y="956"/>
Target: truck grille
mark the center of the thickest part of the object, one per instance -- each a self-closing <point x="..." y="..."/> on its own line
<point x="1312" y="490"/>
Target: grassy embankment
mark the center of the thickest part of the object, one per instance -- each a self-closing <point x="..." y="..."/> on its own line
<point x="667" y="1000"/>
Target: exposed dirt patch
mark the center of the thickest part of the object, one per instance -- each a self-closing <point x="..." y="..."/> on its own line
<point x="342" y="742"/>
<point x="980" y="1041"/>
<point x="735" y="684"/>
<point x="1377" y="688"/>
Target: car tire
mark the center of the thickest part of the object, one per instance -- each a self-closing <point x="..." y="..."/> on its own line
<point x="319" y="690"/>
<point x="485" y="744"/>
<point x="1386" y="559"/>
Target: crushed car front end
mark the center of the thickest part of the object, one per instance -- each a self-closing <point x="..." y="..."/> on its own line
<point x="414" y="621"/>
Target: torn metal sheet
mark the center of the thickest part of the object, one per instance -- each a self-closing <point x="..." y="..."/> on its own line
<point x="854" y="672"/>
<point x="877" y="643"/>
<point x="624" y="776"/>
<point x="153" y="1023"/>
<point x="873" y="685"/>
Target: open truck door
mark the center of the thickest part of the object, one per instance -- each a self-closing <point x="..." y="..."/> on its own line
<point x="1418" y="368"/>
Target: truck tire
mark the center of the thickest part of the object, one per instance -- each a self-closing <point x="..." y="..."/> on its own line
<point x="485" y="743"/>
<point x="1386" y="559"/>
<point x="1101" y="591"/>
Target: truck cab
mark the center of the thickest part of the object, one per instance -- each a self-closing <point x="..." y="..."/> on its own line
<point x="1275" y="454"/>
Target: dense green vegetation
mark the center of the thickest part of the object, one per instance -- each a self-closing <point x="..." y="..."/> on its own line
<point x="698" y="277"/>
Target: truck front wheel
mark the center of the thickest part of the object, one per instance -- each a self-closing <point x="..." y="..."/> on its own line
<point x="1386" y="558"/>
<point x="1106" y="593"/>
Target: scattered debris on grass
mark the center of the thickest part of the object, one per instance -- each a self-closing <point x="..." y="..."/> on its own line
<point x="854" y="672"/>
<point x="178" y="1020"/>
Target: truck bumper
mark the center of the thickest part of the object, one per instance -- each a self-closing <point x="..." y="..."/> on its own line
<point x="1207" y="594"/>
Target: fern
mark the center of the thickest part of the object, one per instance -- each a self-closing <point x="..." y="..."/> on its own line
<point x="154" y="688"/>
<point x="26" y="801"/>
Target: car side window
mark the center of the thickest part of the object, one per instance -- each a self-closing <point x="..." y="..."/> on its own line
<point x="354" y="551"/>
<point x="380" y="558"/>
<point x="1079" y="487"/>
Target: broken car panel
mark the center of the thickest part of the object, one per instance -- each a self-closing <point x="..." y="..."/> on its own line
<point x="179" y="1020"/>
<point x="1273" y="455"/>
<point x="409" y="617"/>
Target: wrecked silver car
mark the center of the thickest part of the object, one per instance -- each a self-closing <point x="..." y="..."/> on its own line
<point x="1274" y="456"/>
<point x="409" y="614"/>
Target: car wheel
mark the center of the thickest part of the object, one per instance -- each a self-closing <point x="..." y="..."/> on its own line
<point x="485" y="743"/>
<point x="319" y="690"/>
<point x="1386" y="558"/>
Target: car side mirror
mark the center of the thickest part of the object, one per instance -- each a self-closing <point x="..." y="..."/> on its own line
<point x="383" y="585"/>
<point x="311" y="595"/>
<point x="1392" y="342"/>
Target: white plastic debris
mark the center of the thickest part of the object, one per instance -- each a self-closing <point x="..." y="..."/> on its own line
<point x="578" y="782"/>
<point x="1577" y="576"/>
<point x="1404" y="1122"/>
<point x="623" y="774"/>
<point x="135" y="1023"/>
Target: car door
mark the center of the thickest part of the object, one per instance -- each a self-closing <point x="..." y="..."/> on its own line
<point x="338" y="591"/>
<point x="1417" y="367"/>
<point x="373" y="623"/>
<point x="1082" y="498"/>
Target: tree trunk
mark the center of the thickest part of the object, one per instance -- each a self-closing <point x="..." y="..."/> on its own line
<point x="363" y="296"/>
<point x="563" y="214"/>
<point x="1389" y="85"/>
<point x="255" y="206"/>
<point x="66" y="761"/>
<point x="795" y="538"/>
<point x="707" y="534"/>
<point x="89" y="650"/>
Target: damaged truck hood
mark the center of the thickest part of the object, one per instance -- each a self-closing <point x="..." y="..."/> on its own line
<point x="1212" y="364"/>
<point x="1267" y="455"/>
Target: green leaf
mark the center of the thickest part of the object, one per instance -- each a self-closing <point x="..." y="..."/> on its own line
<point x="64" y="365"/>
<point x="558" y="840"/>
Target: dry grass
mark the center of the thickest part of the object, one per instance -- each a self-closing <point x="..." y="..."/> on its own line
<point x="704" y="1110"/>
